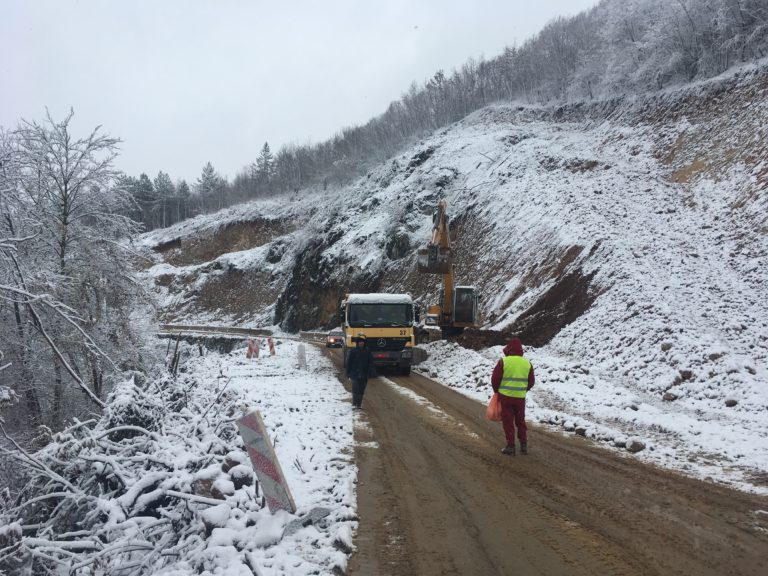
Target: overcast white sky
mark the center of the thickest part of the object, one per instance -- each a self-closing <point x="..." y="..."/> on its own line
<point x="183" y="82"/>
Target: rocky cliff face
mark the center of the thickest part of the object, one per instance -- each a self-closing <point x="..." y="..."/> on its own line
<point x="316" y="285"/>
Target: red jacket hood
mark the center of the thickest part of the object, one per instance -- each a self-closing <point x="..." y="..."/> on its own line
<point x="513" y="348"/>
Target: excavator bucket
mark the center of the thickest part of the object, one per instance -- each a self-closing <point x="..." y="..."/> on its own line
<point x="434" y="260"/>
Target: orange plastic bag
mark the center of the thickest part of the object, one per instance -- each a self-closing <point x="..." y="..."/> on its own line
<point x="493" y="412"/>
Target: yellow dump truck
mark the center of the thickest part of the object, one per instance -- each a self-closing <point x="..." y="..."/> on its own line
<point x="387" y="321"/>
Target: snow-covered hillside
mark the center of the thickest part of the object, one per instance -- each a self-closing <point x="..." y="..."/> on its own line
<point x="624" y="238"/>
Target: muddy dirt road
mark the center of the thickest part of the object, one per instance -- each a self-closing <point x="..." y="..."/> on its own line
<point x="435" y="496"/>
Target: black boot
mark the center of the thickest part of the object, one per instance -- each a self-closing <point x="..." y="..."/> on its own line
<point x="524" y="447"/>
<point x="509" y="449"/>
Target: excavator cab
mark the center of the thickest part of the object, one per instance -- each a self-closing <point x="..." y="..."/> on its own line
<point x="464" y="306"/>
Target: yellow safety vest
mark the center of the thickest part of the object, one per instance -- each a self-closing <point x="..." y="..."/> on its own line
<point x="514" y="380"/>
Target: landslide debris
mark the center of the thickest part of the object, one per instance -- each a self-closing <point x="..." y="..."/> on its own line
<point x="570" y="297"/>
<point x="475" y="339"/>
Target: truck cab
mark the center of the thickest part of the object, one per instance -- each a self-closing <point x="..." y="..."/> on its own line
<point x="387" y="321"/>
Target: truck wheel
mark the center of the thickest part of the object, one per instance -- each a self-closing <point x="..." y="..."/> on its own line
<point x="404" y="370"/>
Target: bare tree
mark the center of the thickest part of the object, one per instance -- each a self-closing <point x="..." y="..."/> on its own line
<point x="65" y="285"/>
<point x="68" y="179"/>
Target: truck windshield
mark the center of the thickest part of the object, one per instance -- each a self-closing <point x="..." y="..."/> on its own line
<point x="380" y="315"/>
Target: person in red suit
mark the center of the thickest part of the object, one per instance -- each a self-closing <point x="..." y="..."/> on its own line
<point x="512" y="378"/>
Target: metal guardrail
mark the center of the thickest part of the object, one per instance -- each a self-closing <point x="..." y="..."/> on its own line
<point x="176" y="328"/>
<point x="314" y="336"/>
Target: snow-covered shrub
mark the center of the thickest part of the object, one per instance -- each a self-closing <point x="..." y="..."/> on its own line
<point x="128" y="494"/>
<point x="130" y="407"/>
<point x="7" y="398"/>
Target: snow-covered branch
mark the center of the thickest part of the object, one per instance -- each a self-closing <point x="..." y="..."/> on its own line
<point x="62" y="222"/>
<point x="130" y="488"/>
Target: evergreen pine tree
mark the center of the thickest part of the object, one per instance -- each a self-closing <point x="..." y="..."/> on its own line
<point x="164" y="193"/>
<point x="265" y="165"/>
<point x="144" y="194"/>
<point x="183" y="201"/>
<point x="211" y="188"/>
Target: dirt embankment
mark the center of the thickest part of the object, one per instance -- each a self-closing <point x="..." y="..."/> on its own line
<point x="232" y="237"/>
<point x="569" y="298"/>
<point x="235" y="293"/>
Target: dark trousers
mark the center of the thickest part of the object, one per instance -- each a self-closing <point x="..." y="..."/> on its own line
<point x="513" y="414"/>
<point x="358" y="389"/>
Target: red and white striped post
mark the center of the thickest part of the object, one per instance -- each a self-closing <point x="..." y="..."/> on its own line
<point x="271" y="346"/>
<point x="253" y="348"/>
<point x="265" y="463"/>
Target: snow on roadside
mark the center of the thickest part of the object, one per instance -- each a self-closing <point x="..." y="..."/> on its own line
<point x="162" y="483"/>
<point x="729" y="446"/>
<point x="310" y="424"/>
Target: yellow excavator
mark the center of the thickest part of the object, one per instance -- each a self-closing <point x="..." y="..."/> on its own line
<point x="458" y="304"/>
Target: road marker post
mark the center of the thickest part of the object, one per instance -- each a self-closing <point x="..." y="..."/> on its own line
<point x="265" y="463"/>
<point x="271" y="343"/>
<point x="302" y="357"/>
<point x="253" y="348"/>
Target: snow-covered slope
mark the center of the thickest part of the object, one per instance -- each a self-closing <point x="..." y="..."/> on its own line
<point x="625" y="237"/>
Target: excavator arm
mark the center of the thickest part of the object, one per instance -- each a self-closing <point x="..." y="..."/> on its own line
<point x="437" y="258"/>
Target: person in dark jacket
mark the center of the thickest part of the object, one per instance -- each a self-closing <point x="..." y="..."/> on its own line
<point x="512" y="378"/>
<point x="359" y="368"/>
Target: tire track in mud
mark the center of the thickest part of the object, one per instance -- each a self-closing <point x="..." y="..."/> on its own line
<point x="437" y="497"/>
